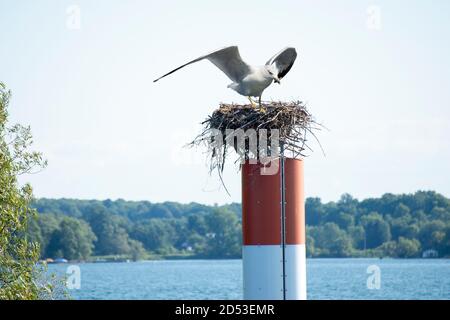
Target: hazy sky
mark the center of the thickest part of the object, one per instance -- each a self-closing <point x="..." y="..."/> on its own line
<point x="376" y="73"/>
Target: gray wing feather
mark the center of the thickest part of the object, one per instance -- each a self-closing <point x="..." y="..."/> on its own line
<point x="230" y="62"/>
<point x="283" y="61"/>
<point x="226" y="59"/>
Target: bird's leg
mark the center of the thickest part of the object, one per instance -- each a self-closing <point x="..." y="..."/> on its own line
<point x="252" y="102"/>
<point x="263" y="110"/>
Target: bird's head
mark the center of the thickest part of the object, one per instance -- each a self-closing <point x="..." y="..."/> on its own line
<point x="273" y="73"/>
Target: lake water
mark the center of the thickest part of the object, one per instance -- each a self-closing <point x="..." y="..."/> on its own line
<point x="222" y="279"/>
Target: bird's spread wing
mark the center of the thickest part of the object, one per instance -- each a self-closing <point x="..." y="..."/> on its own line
<point x="226" y="59"/>
<point x="283" y="61"/>
<point x="230" y="62"/>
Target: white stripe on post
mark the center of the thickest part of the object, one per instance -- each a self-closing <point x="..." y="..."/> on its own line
<point x="263" y="272"/>
<point x="296" y="272"/>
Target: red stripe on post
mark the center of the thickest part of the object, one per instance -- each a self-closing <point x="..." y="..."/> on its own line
<point x="261" y="197"/>
<point x="260" y="206"/>
<point x="295" y="202"/>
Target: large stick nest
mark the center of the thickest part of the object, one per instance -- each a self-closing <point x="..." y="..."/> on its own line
<point x="292" y="119"/>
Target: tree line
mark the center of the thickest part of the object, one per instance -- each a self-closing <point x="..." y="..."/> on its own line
<point x="402" y="226"/>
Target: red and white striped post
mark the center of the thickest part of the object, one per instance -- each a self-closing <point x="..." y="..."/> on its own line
<point x="274" y="257"/>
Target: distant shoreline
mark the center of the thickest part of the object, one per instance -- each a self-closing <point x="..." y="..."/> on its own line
<point x="203" y="258"/>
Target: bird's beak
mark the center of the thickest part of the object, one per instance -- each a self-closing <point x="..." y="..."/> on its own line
<point x="277" y="80"/>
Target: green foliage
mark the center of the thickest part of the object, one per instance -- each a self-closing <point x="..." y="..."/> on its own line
<point x="330" y="240"/>
<point x="111" y="233"/>
<point x="156" y="235"/>
<point x="407" y="248"/>
<point x="224" y="237"/>
<point x="432" y="234"/>
<point x="136" y="250"/>
<point x="310" y="244"/>
<point x="18" y="255"/>
<point x="73" y="239"/>
<point x="358" y="236"/>
<point x="376" y="229"/>
<point x="402" y="248"/>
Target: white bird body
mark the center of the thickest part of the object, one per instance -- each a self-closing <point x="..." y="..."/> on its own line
<point x="253" y="84"/>
<point x="248" y="80"/>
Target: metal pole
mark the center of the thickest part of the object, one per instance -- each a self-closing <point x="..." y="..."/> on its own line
<point x="283" y="216"/>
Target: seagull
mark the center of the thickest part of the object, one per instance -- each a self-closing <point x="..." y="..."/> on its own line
<point x="249" y="81"/>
